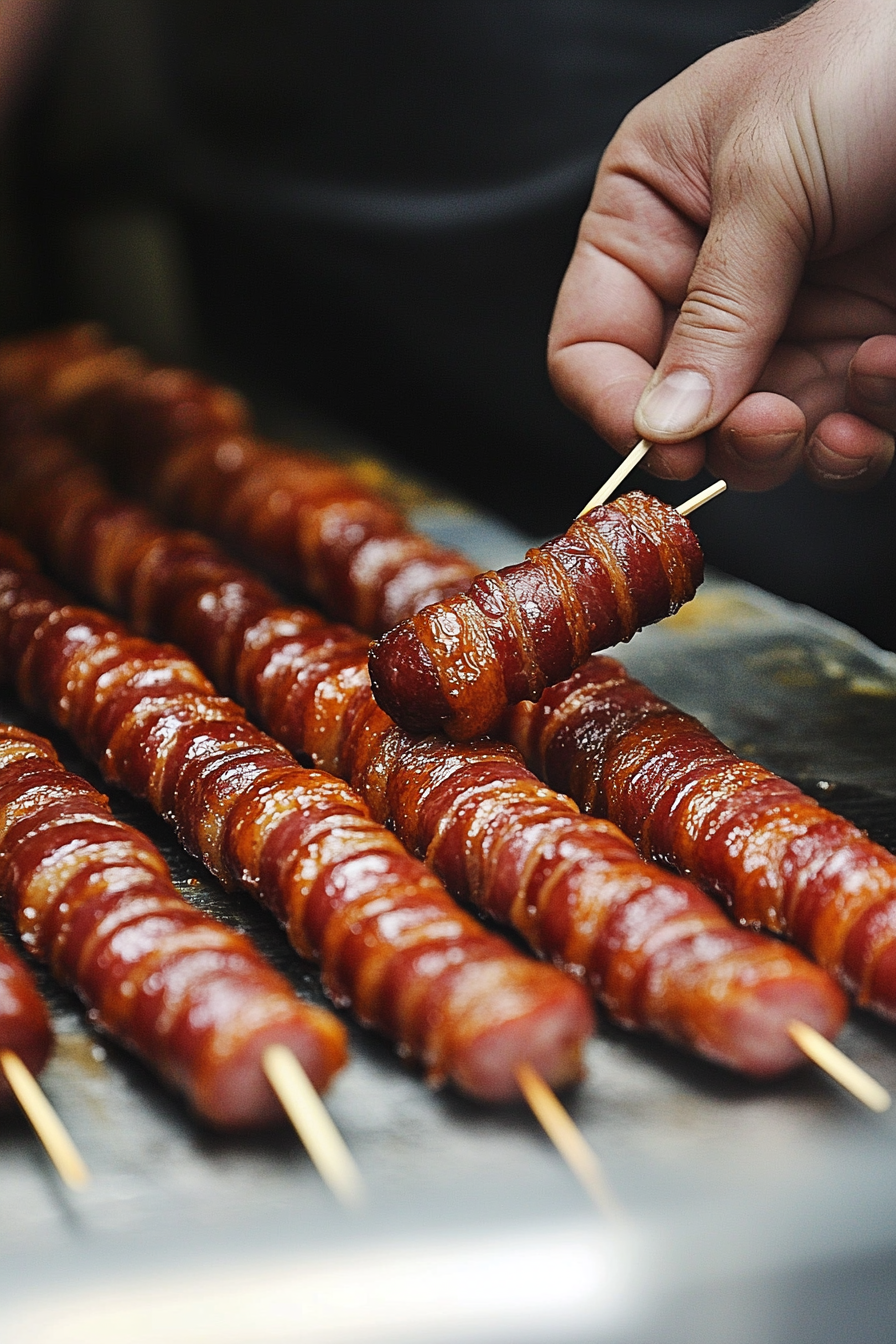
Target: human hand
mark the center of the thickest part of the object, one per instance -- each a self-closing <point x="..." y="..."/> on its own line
<point x="742" y="239"/>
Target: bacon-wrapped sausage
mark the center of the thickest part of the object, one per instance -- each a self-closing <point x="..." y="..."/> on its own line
<point x="389" y="939"/>
<point x="24" y="1021"/>
<point x="779" y="859"/>
<point x="93" y="897"/>
<point x="307" y="520"/>
<point x="303" y="518"/>
<point x="457" y="665"/>
<point x="658" y="953"/>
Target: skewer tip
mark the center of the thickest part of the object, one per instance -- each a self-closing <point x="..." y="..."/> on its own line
<point x="314" y="1125"/>
<point x="568" y="1139"/>
<point x="697" y="501"/>
<point x="840" y="1067"/>
<point x="57" y="1141"/>
<point x="625" y="468"/>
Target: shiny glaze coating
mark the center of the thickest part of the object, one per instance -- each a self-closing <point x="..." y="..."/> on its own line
<point x="457" y="665"/>
<point x="388" y="937"/>
<point x="308" y="521"/>
<point x="779" y="859"/>
<point x="24" y="1021"/>
<point x="658" y="953"/>
<point x="304" y="519"/>
<point x="92" y="897"/>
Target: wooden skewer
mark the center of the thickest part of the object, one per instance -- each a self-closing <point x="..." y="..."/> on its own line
<point x="842" y="1069"/>
<point x="626" y="466"/>
<point x="697" y="501"/>
<point x="47" y="1125"/>
<point x="568" y="1139"/>
<point x="314" y="1125"/>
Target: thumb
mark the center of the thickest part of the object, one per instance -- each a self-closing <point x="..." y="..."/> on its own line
<point x="738" y="301"/>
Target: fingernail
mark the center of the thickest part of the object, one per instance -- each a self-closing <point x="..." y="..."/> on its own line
<point x="833" y="466"/>
<point x="762" y="449"/>
<point x="676" y="405"/>
<point x="877" y="391"/>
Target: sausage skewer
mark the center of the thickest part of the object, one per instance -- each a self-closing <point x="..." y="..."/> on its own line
<point x="389" y="938"/>
<point x="457" y="665"/>
<point x="570" y="884"/>
<point x="776" y="857"/>
<point x="92" y="897"/>
<point x="69" y="871"/>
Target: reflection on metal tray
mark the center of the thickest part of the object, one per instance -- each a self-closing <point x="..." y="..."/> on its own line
<point x="753" y="1213"/>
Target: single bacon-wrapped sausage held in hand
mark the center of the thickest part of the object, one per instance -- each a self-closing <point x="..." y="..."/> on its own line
<point x="299" y="516"/>
<point x="390" y="940"/>
<point x="779" y="859"/>
<point x="457" y="665"/>
<point x="93" y="897"/>
<point x="24" y="1021"/>
<point x="658" y="953"/>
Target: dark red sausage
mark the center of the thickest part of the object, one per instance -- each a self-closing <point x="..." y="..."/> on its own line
<point x="24" y="1021"/>
<point x="658" y="953"/>
<point x="776" y="857"/>
<point x="457" y="665"/>
<point x="93" y="898"/>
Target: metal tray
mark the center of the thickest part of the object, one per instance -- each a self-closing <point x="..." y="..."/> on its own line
<point x="752" y="1213"/>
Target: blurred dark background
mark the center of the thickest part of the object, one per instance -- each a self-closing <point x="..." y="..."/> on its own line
<point x="367" y="206"/>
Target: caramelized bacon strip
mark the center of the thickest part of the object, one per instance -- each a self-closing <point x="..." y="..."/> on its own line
<point x="658" y="953"/>
<point x="779" y="859"/>
<point x="458" y="665"/>
<point x="24" y="1021"/>
<point x="388" y="937"/>
<point x="301" y="517"/>
<point x="93" y="898"/>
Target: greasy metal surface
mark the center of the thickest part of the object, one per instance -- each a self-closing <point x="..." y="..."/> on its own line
<point x="753" y="1212"/>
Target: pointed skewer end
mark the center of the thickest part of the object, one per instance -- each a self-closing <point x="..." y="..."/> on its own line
<point x="840" y="1067"/>
<point x="626" y="466"/>
<point x="314" y="1125"/>
<point x="697" y="501"/>
<point x="47" y="1126"/>
<point x="568" y="1139"/>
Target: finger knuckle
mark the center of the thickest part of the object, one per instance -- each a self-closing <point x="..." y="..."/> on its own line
<point x="714" y="315"/>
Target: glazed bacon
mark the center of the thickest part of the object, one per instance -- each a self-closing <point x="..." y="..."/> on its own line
<point x="387" y="935"/>
<point x="186" y="443"/>
<point x="24" y="1021"/>
<point x="458" y="665"/>
<point x="92" y="897"/>
<point x="658" y="953"/>
<point x="779" y="859"/>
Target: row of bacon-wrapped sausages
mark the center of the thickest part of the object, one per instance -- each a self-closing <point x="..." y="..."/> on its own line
<point x="389" y="939"/>
<point x="656" y="952"/>
<point x="659" y="954"/>
<point x="314" y="523"/>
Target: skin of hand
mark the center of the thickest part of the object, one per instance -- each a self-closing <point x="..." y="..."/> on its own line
<point x="733" y="287"/>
